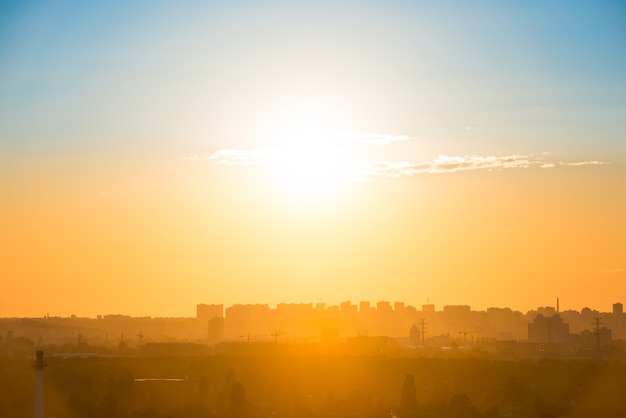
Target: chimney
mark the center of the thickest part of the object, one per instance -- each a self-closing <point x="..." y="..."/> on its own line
<point x="40" y="365"/>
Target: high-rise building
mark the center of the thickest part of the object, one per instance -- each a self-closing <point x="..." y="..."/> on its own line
<point x="546" y="310"/>
<point x="206" y="312"/>
<point x="215" y="330"/>
<point x="428" y="308"/>
<point x="364" y="307"/>
<point x="414" y="335"/>
<point x="383" y="307"/>
<point x="618" y="309"/>
<point x="348" y="308"/>
<point x="549" y="329"/>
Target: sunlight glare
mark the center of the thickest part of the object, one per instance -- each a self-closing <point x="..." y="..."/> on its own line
<point x="312" y="163"/>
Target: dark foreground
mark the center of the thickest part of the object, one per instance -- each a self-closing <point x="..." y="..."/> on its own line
<point x="315" y="386"/>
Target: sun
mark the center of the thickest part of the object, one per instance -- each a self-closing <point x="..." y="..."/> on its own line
<point x="312" y="165"/>
<point x="311" y="172"/>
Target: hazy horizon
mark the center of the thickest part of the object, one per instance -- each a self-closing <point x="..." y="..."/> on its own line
<point x="155" y="155"/>
<point x="439" y="307"/>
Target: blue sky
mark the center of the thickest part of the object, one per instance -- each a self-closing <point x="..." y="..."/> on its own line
<point x="530" y="76"/>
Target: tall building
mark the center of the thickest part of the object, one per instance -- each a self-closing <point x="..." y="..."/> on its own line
<point x="206" y="312"/>
<point x="414" y="335"/>
<point x="383" y="307"/>
<point x="618" y="309"/>
<point x="549" y="329"/>
<point x="364" y="307"/>
<point x="215" y="330"/>
<point x="241" y="320"/>
<point x="428" y="308"/>
<point x="546" y="310"/>
<point x="348" y="308"/>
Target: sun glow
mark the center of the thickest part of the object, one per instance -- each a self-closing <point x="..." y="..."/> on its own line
<point x="312" y="163"/>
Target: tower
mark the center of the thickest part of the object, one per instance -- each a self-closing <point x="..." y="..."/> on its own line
<point x="40" y="365"/>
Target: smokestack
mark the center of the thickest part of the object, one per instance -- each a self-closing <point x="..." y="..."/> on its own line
<point x="40" y="365"/>
<point x="557" y="305"/>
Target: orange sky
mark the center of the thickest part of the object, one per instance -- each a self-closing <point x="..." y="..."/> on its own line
<point x="159" y="244"/>
<point x="155" y="156"/>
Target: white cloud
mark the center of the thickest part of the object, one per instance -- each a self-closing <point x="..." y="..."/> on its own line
<point x="365" y="170"/>
<point x="260" y="156"/>
<point x="243" y="157"/>
<point x="443" y="164"/>
<point x="579" y="163"/>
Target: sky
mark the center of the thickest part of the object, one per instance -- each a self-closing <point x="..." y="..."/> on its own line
<point x="156" y="155"/>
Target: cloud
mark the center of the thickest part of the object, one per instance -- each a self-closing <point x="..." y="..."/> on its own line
<point x="444" y="164"/>
<point x="579" y="163"/>
<point x="475" y="162"/>
<point x="261" y="156"/>
<point x="243" y="157"/>
<point x="367" y="169"/>
<point x="447" y="164"/>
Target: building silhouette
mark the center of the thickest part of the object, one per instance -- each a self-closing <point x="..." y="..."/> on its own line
<point x="205" y="312"/>
<point x="215" y="330"/>
<point x="548" y="330"/>
<point x="618" y="309"/>
<point x="414" y="335"/>
<point x="408" y="398"/>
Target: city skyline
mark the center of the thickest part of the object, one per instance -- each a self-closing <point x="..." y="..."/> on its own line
<point x="464" y="153"/>
<point x="572" y="332"/>
<point x="351" y="306"/>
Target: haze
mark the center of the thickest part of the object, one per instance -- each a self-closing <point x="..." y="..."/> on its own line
<point x="157" y="155"/>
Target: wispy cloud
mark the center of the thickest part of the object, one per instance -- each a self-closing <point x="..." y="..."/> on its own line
<point x="443" y="164"/>
<point x="365" y="170"/>
<point x="368" y="169"/>
<point x="243" y="157"/>
<point x="579" y="163"/>
<point x="260" y="156"/>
